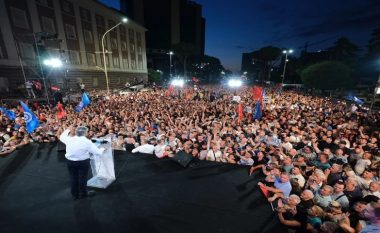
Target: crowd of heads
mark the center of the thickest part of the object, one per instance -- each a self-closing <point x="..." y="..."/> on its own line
<point x="319" y="156"/>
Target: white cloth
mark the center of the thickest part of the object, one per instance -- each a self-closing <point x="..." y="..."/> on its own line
<point x="78" y="148"/>
<point x="300" y="179"/>
<point x="213" y="156"/>
<point x="159" y="150"/>
<point x="146" y="149"/>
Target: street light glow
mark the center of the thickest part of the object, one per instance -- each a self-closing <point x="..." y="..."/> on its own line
<point x="124" y="20"/>
<point x="178" y="82"/>
<point x="234" y="83"/>
<point x="287" y="51"/>
<point x="53" y="62"/>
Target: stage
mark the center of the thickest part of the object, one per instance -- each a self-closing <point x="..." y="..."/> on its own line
<point x="149" y="195"/>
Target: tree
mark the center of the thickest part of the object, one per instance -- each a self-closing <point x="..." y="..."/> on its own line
<point x="264" y="60"/>
<point x="345" y="51"/>
<point x="155" y="76"/>
<point x="374" y="43"/>
<point x="184" y="50"/>
<point x="208" y="68"/>
<point x="328" y="75"/>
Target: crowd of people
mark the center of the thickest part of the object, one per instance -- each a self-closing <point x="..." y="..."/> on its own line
<point x="319" y="157"/>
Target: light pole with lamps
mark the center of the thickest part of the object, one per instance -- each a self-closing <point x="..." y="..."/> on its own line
<point x="170" y="63"/>
<point x="124" y="20"/>
<point x="286" y="52"/>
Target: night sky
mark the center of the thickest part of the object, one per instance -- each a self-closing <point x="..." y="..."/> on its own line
<point x="234" y="27"/>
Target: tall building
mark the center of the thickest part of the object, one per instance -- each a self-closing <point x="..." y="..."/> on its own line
<point x="35" y="30"/>
<point x="169" y="22"/>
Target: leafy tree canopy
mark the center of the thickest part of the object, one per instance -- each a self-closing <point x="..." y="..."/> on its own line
<point x="327" y="75"/>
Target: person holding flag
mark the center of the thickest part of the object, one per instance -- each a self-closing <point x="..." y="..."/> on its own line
<point x="61" y="111"/>
<point x="30" y="118"/>
<point x="84" y="103"/>
<point x="257" y="114"/>
<point x="8" y="113"/>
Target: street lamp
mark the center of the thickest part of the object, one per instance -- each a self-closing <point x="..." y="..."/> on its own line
<point x="124" y="20"/>
<point x="286" y="52"/>
<point x="53" y="62"/>
<point x="170" y="63"/>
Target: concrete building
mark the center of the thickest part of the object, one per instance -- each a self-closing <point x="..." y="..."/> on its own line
<point x="169" y="22"/>
<point x="33" y="30"/>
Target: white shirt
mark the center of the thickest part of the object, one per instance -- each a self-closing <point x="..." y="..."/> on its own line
<point x="213" y="156"/>
<point x="159" y="150"/>
<point x="78" y="148"/>
<point x="300" y="179"/>
<point x="146" y="149"/>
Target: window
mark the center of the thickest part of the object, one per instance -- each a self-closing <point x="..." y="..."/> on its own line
<point x="48" y="24"/>
<point x="19" y="18"/>
<point x="42" y="2"/>
<point x="95" y="82"/>
<point x="67" y="7"/>
<point x="138" y="38"/>
<point x="113" y="43"/>
<point x="132" y="48"/>
<point x="1" y="53"/>
<point x="125" y="63"/>
<point x="70" y="32"/>
<point x="139" y="50"/>
<point x="85" y="14"/>
<point x="91" y="59"/>
<point x="88" y="36"/>
<point x="131" y="35"/>
<point x="116" y="62"/>
<point x="133" y="64"/>
<point x="124" y="45"/>
<point x="74" y="57"/>
<point x="140" y="65"/>
<point x="27" y="51"/>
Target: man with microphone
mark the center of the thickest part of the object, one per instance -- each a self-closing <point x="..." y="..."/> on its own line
<point x="78" y="149"/>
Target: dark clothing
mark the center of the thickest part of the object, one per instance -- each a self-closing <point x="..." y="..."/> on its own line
<point x="354" y="196"/>
<point x="333" y="178"/>
<point x="305" y="205"/>
<point x="78" y="177"/>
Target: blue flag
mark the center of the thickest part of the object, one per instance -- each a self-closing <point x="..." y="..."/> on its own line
<point x="30" y="119"/>
<point x="79" y="107"/>
<point x="8" y="113"/>
<point x="85" y="99"/>
<point x="257" y="114"/>
<point x="355" y="99"/>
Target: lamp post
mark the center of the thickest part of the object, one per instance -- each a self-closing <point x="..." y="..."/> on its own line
<point x="124" y="20"/>
<point x="286" y="52"/>
<point x="170" y="63"/>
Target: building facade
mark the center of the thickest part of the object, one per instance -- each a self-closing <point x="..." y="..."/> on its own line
<point x="169" y="22"/>
<point x="34" y="30"/>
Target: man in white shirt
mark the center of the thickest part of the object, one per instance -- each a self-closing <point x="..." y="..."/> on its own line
<point x="78" y="149"/>
<point x="144" y="148"/>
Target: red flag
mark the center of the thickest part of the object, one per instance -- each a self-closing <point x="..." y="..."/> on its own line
<point x="55" y="88"/>
<point x="61" y="111"/>
<point x="240" y="112"/>
<point x="257" y="93"/>
<point x="37" y="84"/>
<point x="264" y="191"/>
<point x="170" y="91"/>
